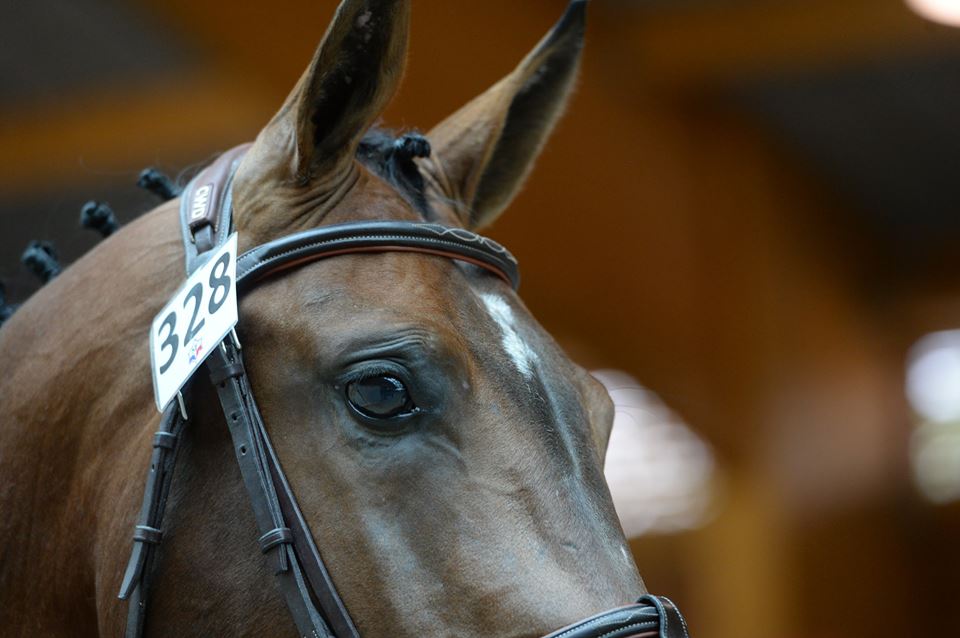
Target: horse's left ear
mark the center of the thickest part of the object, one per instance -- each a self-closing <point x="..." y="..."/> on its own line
<point x="353" y="75"/>
<point x="484" y="152"/>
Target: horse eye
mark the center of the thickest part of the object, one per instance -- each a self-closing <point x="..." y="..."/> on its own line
<point x="380" y="397"/>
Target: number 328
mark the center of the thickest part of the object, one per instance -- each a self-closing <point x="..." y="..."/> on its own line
<point x="219" y="283"/>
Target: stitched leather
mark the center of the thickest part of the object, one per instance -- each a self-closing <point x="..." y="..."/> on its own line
<point x="381" y="236"/>
<point x="211" y="229"/>
<point x="672" y="623"/>
<point x="650" y="617"/>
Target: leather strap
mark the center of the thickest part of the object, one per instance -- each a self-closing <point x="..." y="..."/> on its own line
<point x="650" y="617"/>
<point x="147" y="533"/>
<point x="318" y="577"/>
<point x="324" y="242"/>
<point x="228" y="375"/>
<point x="249" y="445"/>
<point x="202" y="233"/>
<point x="672" y="623"/>
<point x="205" y="207"/>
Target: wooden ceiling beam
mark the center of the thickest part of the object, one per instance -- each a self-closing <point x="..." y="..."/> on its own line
<point x="170" y="122"/>
<point x="712" y="44"/>
<point x="253" y="62"/>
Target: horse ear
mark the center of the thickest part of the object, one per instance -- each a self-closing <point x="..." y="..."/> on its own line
<point x="484" y="152"/>
<point x="353" y="75"/>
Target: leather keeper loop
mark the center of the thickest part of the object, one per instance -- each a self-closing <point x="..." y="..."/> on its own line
<point x="229" y="371"/>
<point x="279" y="536"/>
<point x="165" y="440"/>
<point x="149" y="535"/>
<point x="203" y="238"/>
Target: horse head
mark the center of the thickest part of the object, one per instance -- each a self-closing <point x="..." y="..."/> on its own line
<point x="446" y="454"/>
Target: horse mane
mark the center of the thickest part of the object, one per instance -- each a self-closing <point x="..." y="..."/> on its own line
<point x="387" y="154"/>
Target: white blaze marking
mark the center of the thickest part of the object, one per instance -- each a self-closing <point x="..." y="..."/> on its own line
<point x="522" y="355"/>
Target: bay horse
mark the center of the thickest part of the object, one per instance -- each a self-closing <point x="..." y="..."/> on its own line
<point x="485" y="513"/>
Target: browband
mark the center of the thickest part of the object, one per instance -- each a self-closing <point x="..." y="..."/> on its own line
<point x="297" y="250"/>
<point x="308" y="590"/>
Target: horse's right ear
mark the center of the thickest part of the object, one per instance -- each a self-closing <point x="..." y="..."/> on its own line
<point x="484" y="151"/>
<point x="352" y="77"/>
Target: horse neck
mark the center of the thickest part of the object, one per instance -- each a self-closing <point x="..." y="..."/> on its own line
<point x="77" y="408"/>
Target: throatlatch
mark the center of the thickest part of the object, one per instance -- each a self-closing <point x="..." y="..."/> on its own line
<point x="284" y="536"/>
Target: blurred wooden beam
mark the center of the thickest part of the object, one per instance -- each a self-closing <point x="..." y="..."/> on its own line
<point x="686" y="47"/>
<point x="683" y="49"/>
<point x="172" y="121"/>
<point x="706" y="45"/>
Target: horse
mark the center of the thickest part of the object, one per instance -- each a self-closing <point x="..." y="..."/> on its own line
<point x="446" y="454"/>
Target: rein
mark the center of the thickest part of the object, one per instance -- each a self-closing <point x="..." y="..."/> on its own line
<point x="285" y="538"/>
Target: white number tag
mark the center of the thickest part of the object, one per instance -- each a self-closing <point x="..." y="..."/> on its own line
<point x="195" y="321"/>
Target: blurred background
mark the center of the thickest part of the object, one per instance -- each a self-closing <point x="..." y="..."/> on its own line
<point x="763" y="196"/>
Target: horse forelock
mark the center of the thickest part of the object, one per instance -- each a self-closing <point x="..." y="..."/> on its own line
<point x="392" y="158"/>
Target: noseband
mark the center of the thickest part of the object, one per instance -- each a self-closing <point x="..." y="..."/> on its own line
<point x="308" y="590"/>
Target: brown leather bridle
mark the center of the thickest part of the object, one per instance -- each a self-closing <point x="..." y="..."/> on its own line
<point x="309" y="592"/>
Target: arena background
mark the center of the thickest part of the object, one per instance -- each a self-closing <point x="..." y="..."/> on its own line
<point x="751" y="207"/>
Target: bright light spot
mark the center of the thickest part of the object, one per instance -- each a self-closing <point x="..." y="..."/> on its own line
<point x="933" y="378"/>
<point x="933" y="387"/>
<point x="942" y="11"/>
<point x="935" y="452"/>
<point x="659" y="471"/>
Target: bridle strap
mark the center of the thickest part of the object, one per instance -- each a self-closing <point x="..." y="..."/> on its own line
<point x="205" y="207"/>
<point x="284" y="536"/>
<point x="136" y="579"/>
<point x="301" y="576"/>
<point x="650" y="617"/>
<point x="251" y="446"/>
<point x="325" y="242"/>
<point x="314" y="604"/>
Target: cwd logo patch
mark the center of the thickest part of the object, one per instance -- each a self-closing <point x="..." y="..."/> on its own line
<point x="195" y="350"/>
<point x="201" y="202"/>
